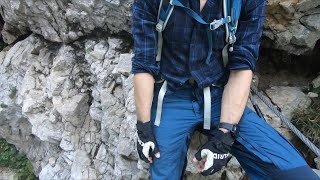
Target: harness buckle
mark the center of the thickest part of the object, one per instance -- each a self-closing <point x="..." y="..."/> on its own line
<point x="159" y="26"/>
<point x="232" y="38"/>
<point x="217" y="23"/>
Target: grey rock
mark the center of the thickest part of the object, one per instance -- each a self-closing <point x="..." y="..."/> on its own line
<point x="234" y="163"/>
<point x="124" y="65"/>
<point x="291" y="26"/>
<point x="269" y="116"/>
<point x="74" y="109"/>
<point x="80" y="165"/>
<point x="317" y="172"/>
<point x="52" y="161"/>
<point x="317" y="161"/>
<point x="65" y="21"/>
<point x="288" y="99"/>
<point x="286" y="132"/>
<point x="307" y="5"/>
<point x="313" y="95"/>
<point x="316" y="82"/>
<point x="7" y="173"/>
<point x="102" y="153"/>
<point x="312" y="22"/>
<point x="233" y="174"/>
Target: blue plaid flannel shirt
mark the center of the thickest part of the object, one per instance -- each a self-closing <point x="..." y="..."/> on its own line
<point x="185" y="46"/>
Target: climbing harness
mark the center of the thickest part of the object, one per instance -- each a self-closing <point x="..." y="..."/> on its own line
<point x="231" y="13"/>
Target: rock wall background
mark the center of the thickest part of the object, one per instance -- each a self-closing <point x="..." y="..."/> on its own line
<point x="66" y="95"/>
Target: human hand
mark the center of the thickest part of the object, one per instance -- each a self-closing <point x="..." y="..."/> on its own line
<point x="147" y="145"/>
<point x="214" y="154"/>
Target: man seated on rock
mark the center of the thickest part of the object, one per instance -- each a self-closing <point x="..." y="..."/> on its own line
<point x="186" y="78"/>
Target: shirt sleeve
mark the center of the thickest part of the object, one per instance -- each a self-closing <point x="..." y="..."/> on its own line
<point x="144" y="19"/>
<point x="246" y="47"/>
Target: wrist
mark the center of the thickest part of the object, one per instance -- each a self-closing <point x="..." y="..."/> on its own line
<point x="229" y="128"/>
<point x="142" y="121"/>
<point x="143" y="126"/>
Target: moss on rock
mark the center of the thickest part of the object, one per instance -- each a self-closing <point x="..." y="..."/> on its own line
<point x="11" y="158"/>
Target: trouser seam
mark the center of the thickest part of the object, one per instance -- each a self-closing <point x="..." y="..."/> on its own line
<point x="260" y="151"/>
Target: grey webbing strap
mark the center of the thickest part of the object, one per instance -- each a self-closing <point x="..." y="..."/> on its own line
<point x="160" y="27"/>
<point x="207" y="108"/>
<point x="159" y="35"/>
<point x="162" y="92"/>
<point x="159" y="50"/>
<point x="225" y="14"/>
<point x="168" y="17"/>
<point x="225" y="55"/>
<point x="159" y="9"/>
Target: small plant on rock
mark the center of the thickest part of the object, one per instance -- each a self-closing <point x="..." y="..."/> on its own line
<point x="13" y="92"/>
<point x="308" y="122"/>
<point x="11" y="158"/>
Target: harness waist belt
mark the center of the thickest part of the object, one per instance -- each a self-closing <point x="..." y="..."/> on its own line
<point x="207" y="104"/>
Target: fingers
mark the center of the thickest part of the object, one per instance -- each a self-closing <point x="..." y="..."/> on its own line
<point x="197" y="156"/>
<point x="205" y="159"/>
<point x="156" y="152"/>
<point x="149" y="150"/>
<point x="209" y="158"/>
<point x="202" y="164"/>
<point x="157" y="155"/>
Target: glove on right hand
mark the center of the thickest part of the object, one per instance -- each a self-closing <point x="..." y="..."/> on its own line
<point x="216" y="152"/>
<point x="147" y="146"/>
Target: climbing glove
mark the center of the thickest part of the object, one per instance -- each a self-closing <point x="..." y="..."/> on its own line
<point x="215" y="152"/>
<point x="147" y="146"/>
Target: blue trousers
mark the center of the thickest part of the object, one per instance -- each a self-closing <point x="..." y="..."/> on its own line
<point x="261" y="150"/>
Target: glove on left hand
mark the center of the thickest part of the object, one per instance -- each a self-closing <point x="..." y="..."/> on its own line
<point x="147" y="145"/>
<point x="216" y="152"/>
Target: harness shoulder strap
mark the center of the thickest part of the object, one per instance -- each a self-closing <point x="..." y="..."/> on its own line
<point x="231" y="8"/>
<point x="164" y="13"/>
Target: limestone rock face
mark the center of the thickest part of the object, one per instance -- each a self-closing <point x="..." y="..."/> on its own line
<point x="17" y="126"/>
<point x="70" y="108"/>
<point x="287" y="100"/>
<point x="290" y="25"/>
<point x="64" y="20"/>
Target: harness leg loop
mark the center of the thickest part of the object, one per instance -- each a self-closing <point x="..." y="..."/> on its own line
<point x="207" y="108"/>
<point x="162" y="92"/>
